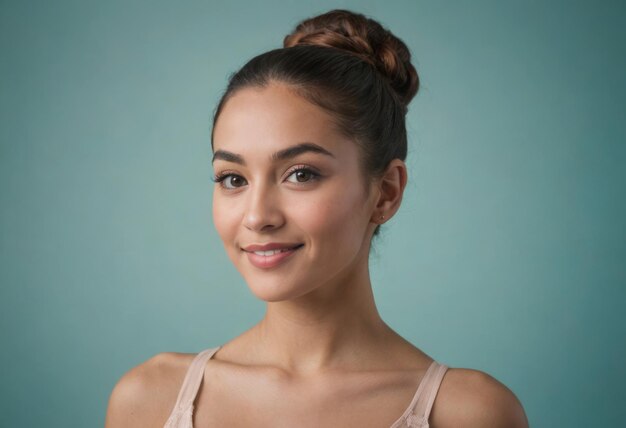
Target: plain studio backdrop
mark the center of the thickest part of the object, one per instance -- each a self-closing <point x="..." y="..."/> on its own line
<point x="507" y="255"/>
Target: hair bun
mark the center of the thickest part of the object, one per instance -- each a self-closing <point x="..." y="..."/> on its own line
<point x="365" y="38"/>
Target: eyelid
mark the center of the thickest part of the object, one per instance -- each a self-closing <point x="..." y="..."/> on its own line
<point x="222" y="175"/>
<point x="300" y="167"/>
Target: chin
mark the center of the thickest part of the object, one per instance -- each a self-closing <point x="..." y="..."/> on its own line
<point x="273" y="291"/>
<point x="271" y="295"/>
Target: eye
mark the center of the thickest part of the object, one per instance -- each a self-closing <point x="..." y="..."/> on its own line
<point x="235" y="180"/>
<point x="303" y="174"/>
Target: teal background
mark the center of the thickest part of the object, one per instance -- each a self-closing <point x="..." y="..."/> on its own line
<point x="507" y="256"/>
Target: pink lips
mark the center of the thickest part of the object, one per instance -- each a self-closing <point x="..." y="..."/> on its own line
<point x="266" y="262"/>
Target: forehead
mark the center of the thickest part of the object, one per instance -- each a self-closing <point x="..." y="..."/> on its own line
<point x="262" y="120"/>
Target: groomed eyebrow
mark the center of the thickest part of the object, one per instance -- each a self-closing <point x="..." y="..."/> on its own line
<point x="288" y="153"/>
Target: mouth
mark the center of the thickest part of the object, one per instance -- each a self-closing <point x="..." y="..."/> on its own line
<point x="271" y="258"/>
<point x="276" y="251"/>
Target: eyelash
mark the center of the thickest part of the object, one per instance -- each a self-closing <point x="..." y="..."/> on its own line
<point x="219" y="178"/>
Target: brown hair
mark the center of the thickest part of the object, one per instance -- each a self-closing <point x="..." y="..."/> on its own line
<point x="361" y="36"/>
<point x="350" y="66"/>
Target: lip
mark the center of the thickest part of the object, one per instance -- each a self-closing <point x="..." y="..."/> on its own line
<point x="267" y="262"/>
<point x="270" y="246"/>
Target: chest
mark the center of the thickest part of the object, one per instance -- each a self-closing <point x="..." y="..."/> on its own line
<point x="366" y="400"/>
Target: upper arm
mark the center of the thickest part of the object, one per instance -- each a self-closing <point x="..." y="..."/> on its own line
<point x="471" y="398"/>
<point x="145" y="395"/>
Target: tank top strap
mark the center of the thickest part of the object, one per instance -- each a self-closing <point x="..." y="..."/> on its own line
<point x="193" y="379"/>
<point x="428" y="391"/>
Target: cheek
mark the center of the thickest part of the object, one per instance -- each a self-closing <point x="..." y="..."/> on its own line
<point x="336" y="214"/>
<point x="224" y="219"/>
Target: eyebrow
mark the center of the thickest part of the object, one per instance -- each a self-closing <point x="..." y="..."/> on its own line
<point x="288" y="153"/>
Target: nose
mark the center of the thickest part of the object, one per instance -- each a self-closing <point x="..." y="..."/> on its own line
<point x="263" y="211"/>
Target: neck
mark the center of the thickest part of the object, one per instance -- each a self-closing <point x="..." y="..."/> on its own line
<point x="335" y="326"/>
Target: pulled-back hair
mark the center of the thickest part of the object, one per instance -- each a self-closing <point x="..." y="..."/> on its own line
<point x="353" y="68"/>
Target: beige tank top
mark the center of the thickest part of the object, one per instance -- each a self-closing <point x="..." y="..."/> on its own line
<point x="415" y="416"/>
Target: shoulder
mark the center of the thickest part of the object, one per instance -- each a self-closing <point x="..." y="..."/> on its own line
<point x="472" y="398"/>
<point x="145" y="395"/>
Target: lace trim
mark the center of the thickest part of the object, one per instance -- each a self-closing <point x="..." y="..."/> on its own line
<point x="181" y="418"/>
<point x="415" y="421"/>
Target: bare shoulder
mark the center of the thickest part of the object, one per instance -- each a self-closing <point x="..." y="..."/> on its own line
<point x="145" y="395"/>
<point x="472" y="398"/>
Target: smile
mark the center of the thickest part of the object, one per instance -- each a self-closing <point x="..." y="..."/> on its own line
<point x="271" y="252"/>
<point x="271" y="258"/>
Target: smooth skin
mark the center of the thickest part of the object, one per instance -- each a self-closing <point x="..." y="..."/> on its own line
<point x="321" y="356"/>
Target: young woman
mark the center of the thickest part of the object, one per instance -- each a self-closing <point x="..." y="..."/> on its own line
<point x="309" y="143"/>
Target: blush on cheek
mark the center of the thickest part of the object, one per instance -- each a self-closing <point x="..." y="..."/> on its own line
<point x="333" y="222"/>
<point x="225" y="225"/>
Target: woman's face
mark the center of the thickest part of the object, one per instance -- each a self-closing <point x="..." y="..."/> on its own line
<point x="312" y="196"/>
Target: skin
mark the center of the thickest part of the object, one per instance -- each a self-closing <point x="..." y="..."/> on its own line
<point x="322" y="355"/>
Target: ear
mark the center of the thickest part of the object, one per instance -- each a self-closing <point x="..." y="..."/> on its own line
<point x="391" y="188"/>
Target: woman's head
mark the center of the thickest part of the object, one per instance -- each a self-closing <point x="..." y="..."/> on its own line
<point x="354" y="69"/>
<point x="307" y="141"/>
